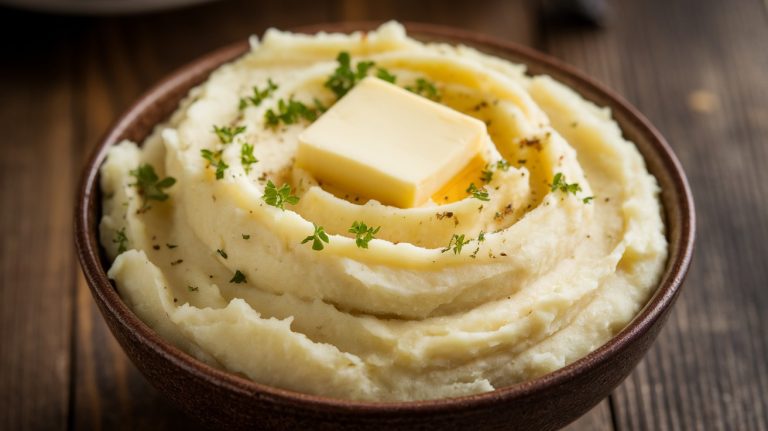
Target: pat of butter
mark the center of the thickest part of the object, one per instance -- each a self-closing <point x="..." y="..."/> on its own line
<point x="385" y="143"/>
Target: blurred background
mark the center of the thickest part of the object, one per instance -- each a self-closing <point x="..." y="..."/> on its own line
<point x="697" y="69"/>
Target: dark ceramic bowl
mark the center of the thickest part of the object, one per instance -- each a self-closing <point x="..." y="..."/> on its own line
<point x="228" y="401"/>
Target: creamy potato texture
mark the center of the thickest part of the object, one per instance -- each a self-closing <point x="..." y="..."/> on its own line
<point x="454" y="297"/>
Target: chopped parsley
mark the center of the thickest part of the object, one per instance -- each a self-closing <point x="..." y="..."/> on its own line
<point x="246" y="236"/>
<point x="291" y="111"/>
<point x="363" y="233"/>
<point x="227" y="134"/>
<point x="278" y="197"/>
<point x="480" y="238"/>
<point x="425" y="88"/>
<point x="246" y="157"/>
<point x="486" y="175"/>
<point x="238" y="278"/>
<point x="588" y="199"/>
<point x="559" y="183"/>
<point x="345" y="76"/>
<point x="503" y="165"/>
<point x="456" y="243"/>
<point x="149" y="185"/>
<point x="121" y="240"/>
<point x="214" y="159"/>
<point x="384" y="75"/>
<point x="318" y="237"/>
<point x="258" y="95"/>
<point x="478" y="193"/>
<point x="222" y="253"/>
<point x="193" y="288"/>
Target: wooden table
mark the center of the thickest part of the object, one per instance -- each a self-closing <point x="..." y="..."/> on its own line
<point x="697" y="69"/>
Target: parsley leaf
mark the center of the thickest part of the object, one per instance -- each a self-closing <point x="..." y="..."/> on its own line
<point x="291" y="111"/>
<point x="258" y="95"/>
<point x="214" y="159"/>
<point x="486" y="175"/>
<point x="478" y="193"/>
<point x="227" y="134"/>
<point x="425" y="88"/>
<point x="456" y="243"/>
<point x="278" y="197"/>
<point x="363" y="233"/>
<point x="559" y="183"/>
<point x="246" y="157"/>
<point x="238" y="278"/>
<point x="588" y="199"/>
<point x="149" y="185"/>
<point x="503" y="165"/>
<point x="318" y="237"/>
<point x="480" y="238"/>
<point x="121" y="240"/>
<point x="345" y="76"/>
<point x="385" y="75"/>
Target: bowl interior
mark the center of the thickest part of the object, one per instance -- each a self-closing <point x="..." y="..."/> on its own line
<point x="160" y="101"/>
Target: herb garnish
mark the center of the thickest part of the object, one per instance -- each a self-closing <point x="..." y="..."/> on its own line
<point x="318" y="237"/>
<point x="291" y="111"/>
<point x="478" y="193"/>
<point x="345" y="77"/>
<point x="214" y="159"/>
<point x="559" y="183"/>
<point x="121" y="240"/>
<point x="486" y="175"/>
<point x="456" y="243"/>
<point x="149" y="185"/>
<point x="246" y="156"/>
<point x="588" y="199"/>
<point x="480" y="238"/>
<point x="227" y="134"/>
<point x="245" y="236"/>
<point x="363" y="233"/>
<point x="504" y="165"/>
<point x="424" y="88"/>
<point x="238" y="278"/>
<point x="258" y="95"/>
<point x="384" y="75"/>
<point x="193" y="288"/>
<point x="279" y="197"/>
<point x="222" y="253"/>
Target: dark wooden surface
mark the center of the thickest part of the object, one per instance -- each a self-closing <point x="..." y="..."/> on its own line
<point x="697" y="69"/>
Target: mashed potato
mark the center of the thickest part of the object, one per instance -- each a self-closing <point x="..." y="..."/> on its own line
<point x="450" y="298"/>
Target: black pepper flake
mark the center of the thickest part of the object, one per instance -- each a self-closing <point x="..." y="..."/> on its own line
<point x="503" y="254"/>
<point x="156" y="247"/>
<point x="531" y="142"/>
<point x="171" y="246"/>
<point x="176" y="262"/>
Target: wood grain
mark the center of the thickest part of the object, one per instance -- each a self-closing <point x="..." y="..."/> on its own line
<point x="37" y="267"/>
<point x="699" y="73"/>
<point x="697" y="69"/>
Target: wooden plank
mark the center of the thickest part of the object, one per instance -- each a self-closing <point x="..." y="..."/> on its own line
<point x="36" y="263"/>
<point x="697" y="70"/>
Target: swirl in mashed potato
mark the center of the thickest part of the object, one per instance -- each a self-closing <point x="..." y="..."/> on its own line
<point x="546" y="274"/>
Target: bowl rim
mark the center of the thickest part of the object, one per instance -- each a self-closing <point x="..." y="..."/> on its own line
<point x="88" y="248"/>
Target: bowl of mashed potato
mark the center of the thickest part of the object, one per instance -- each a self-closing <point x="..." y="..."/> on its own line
<point x="383" y="228"/>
